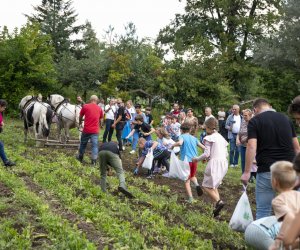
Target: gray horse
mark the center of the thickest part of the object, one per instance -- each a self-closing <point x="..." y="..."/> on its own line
<point x="67" y="115"/>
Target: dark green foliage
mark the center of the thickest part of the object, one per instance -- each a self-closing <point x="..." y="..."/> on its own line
<point x="57" y="19"/>
<point x="26" y="65"/>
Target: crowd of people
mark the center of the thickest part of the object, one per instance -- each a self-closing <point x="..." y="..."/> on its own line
<point x="263" y="139"/>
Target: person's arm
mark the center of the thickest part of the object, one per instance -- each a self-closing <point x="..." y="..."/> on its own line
<point x="206" y="153"/>
<point x="80" y="119"/>
<point x="227" y="124"/>
<point x="116" y="121"/>
<point x="292" y="231"/>
<point x="176" y="144"/>
<point x="152" y="130"/>
<point x="107" y="109"/>
<point x="154" y="145"/>
<point x="250" y="155"/>
<point x="130" y="134"/>
<point x="296" y="145"/>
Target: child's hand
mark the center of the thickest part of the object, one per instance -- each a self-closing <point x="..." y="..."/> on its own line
<point x="195" y="159"/>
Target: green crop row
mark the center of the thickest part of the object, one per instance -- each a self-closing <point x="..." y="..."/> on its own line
<point x="61" y="234"/>
<point x="107" y="212"/>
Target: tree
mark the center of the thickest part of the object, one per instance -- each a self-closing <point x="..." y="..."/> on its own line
<point x="26" y="64"/>
<point x="57" y="19"/>
<point x="279" y="58"/>
<point x="224" y="30"/>
<point x="84" y="69"/>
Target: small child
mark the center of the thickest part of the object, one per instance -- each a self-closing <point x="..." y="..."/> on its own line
<point x="175" y="128"/>
<point x="188" y="149"/>
<point x="160" y="154"/>
<point x="166" y="140"/>
<point x="265" y="233"/>
<point x="149" y="117"/>
<point x="142" y="128"/>
<point x="216" y="155"/>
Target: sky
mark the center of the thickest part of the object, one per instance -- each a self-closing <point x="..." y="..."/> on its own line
<point x="149" y="16"/>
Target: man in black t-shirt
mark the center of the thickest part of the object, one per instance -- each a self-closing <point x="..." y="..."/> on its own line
<point x="109" y="155"/>
<point x="271" y="138"/>
<point x="119" y="122"/>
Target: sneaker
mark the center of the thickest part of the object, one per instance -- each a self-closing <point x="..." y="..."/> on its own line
<point x="9" y="164"/>
<point x="166" y="175"/>
<point x="135" y="171"/>
<point x="132" y="152"/>
<point x="163" y="168"/>
<point x="79" y="158"/>
<point x="220" y="204"/>
<point x="236" y="166"/>
<point x="156" y="170"/>
<point x="94" y="162"/>
<point x="125" y="192"/>
<point x="199" y="190"/>
<point x="150" y="176"/>
<point x="123" y="148"/>
<point x="231" y="165"/>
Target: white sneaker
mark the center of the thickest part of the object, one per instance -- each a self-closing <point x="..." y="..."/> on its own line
<point x="166" y="175"/>
<point x="132" y="152"/>
<point x="236" y="166"/>
<point x="123" y="148"/>
<point x="231" y="165"/>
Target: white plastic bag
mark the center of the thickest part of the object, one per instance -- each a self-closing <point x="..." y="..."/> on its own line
<point x="148" y="160"/>
<point x="242" y="215"/>
<point x="179" y="169"/>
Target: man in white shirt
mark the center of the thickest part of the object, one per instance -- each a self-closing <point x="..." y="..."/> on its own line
<point x="233" y="125"/>
<point x="208" y="114"/>
<point x="110" y="111"/>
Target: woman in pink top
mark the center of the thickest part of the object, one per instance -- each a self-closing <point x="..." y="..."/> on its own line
<point x="6" y="162"/>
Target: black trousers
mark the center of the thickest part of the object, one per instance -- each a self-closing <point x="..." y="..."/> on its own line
<point x="119" y="130"/>
<point x="108" y="130"/>
<point x="162" y="159"/>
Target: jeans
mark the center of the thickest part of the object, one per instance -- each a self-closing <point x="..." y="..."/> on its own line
<point x="83" y="142"/>
<point x="135" y="140"/>
<point x="2" y="153"/>
<point x="264" y="195"/>
<point x="108" y="130"/>
<point x="234" y="151"/>
<point x="243" y="157"/>
<point x="107" y="158"/>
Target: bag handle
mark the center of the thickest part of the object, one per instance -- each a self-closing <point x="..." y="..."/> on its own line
<point x="245" y="187"/>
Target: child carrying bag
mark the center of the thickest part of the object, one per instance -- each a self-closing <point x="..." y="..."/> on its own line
<point x="148" y="160"/>
<point x="179" y="169"/>
<point x="242" y="215"/>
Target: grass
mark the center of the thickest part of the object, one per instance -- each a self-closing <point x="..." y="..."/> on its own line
<point x="156" y="219"/>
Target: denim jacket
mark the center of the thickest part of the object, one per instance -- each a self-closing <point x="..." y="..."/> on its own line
<point x="229" y="124"/>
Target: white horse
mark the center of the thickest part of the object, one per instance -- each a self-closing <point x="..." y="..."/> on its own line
<point x="37" y="114"/>
<point x="67" y="114"/>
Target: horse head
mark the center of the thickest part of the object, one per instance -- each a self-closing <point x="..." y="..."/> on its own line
<point x="54" y="100"/>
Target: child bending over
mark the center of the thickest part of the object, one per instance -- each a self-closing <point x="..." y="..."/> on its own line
<point x="217" y="164"/>
<point x="160" y="154"/>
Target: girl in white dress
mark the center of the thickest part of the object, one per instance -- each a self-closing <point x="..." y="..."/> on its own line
<point x="215" y="154"/>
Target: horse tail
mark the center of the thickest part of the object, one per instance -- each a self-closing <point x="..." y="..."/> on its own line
<point x="44" y="126"/>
